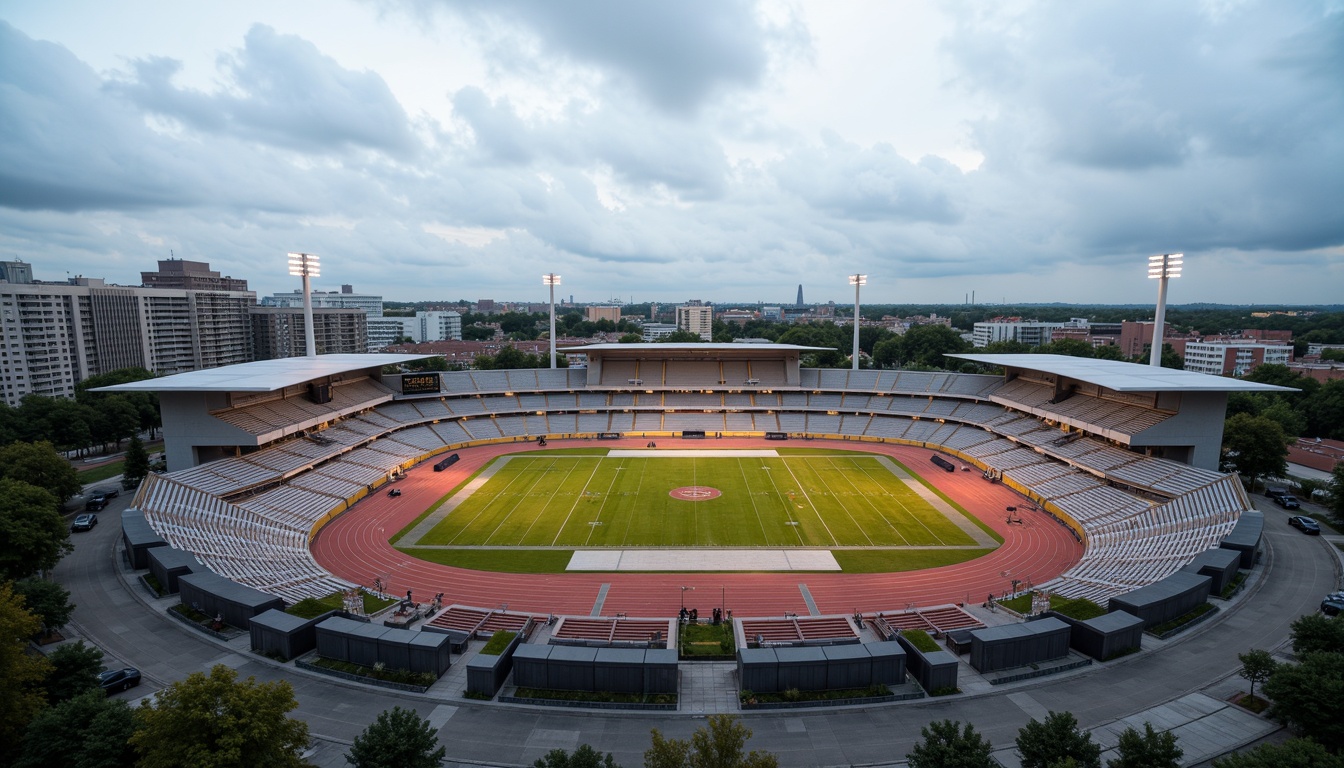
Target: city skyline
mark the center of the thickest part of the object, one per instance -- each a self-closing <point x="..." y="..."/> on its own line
<point x="1026" y="153"/>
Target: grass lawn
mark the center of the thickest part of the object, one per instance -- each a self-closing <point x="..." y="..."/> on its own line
<point x="568" y="501"/>
<point x="102" y="472"/>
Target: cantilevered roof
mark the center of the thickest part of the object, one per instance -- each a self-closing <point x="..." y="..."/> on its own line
<point x="262" y="375"/>
<point x="695" y="347"/>
<point x="1122" y="377"/>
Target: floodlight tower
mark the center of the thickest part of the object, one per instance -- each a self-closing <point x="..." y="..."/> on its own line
<point x="857" y="281"/>
<point x="551" y="279"/>
<point x="306" y="265"/>
<point x="1161" y="268"/>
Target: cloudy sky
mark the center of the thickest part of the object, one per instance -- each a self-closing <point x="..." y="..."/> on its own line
<point x="694" y="149"/>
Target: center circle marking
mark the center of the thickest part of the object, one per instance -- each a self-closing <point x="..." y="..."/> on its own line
<point x="695" y="493"/>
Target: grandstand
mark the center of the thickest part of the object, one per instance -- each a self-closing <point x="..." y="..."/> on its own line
<point x="262" y="455"/>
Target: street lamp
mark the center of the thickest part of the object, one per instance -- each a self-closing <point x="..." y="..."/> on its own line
<point x="306" y="265"/>
<point x="551" y="279"/>
<point x="857" y="281"/>
<point x="1161" y="268"/>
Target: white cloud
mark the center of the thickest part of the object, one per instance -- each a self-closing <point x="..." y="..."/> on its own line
<point x="666" y="151"/>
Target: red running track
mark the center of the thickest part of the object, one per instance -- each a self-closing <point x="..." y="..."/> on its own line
<point x="355" y="547"/>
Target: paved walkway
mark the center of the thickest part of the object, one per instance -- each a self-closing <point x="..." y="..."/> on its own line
<point x="1180" y="686"/>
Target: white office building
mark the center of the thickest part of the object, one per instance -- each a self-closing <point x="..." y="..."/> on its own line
<point x="346" y="298"/>
<point x="698" y="319"/>
<point x="1031" y="332"/>
<point x="54" y="335"/>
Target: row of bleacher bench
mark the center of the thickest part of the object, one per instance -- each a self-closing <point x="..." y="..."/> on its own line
<point x="296" y="482"/>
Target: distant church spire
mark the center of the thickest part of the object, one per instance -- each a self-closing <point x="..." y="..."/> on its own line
<point x="799" y="303"/>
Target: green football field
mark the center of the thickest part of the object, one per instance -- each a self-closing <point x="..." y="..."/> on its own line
<point x="569" y="501"/>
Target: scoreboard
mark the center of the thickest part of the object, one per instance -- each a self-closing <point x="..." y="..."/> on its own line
<point x="419" y="383"/>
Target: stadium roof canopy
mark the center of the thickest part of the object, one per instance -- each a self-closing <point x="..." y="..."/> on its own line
<point x="1120" y="376"/>
<point x="705" y="347"/>
<point x="262" y="375"/>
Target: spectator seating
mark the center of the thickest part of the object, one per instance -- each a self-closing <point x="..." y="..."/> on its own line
<point x="798" y="630"/>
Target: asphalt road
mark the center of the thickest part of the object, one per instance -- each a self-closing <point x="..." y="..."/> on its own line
<point x="1296" y="571"/>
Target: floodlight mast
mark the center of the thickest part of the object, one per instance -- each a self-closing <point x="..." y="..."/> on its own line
<point x="857" y="281"/>
<point x="306" y="265"/>
<point x="551" y="279"/>
<point x="1161" y="268"/>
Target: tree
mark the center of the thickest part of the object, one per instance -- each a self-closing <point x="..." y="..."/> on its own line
<point x="681" y="336"/>
<point x="477" y="333"/>
<point x="927" y="345"/>
<point x="22" y="674"/>
<point x="136" y="468"/>
<point x="1146" y="750"/>
<point x="1255" y="446"/>
<point x="887" y="353"/>
<point x="214" y="721"/>
<point x="666" y="753"/>
<point x="583" y="757"/>
<point x="88" y="731"/>
<point x="1289" y="419"/>
<point x="717" y="745"/>
<point x="946" y="745"/>
<point x="1337" y="492"/>
<point x="1315" y="632"/>
<point x="1042" y="744"/>
<point x="33" y="537"/>
<point x="1309" y="697"/>
<point x="1256" y="666"/>
<point x="1293" y="753"/>
<point x="39" y="464"/>
<point x="720" y="743"/>
<point x="74" y="671"/>
<point x="47" y="600"/>
<point x="630" y="338"/>
<point x="398" y="738"/>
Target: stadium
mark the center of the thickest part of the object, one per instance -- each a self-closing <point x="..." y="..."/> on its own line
<point x="266" y="459"/>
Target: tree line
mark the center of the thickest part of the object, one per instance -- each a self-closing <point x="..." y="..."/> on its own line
<point x="90" y="420"/>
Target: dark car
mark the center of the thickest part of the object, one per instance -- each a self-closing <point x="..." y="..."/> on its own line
<point x="100" y="498"/>
<point x="1287" y="501"/>
<point x="114" y="680"/>
<point x="1305" y="525"/>
<point x="1332" y="607"/>
<point x="84" y="522"/>
<point x="1275" y="491"/>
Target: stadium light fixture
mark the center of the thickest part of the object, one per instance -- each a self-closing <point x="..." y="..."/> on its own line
<point x="551" y="279"/>
<point x="857" y="281"/>
<point x="1161" y="268"/>
<point x="307" y="266"/>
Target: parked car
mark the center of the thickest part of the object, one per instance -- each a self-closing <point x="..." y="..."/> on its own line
<point x="1287" y="501"/>
<point x="114" y="680"/>
<point x="1332" y="607"/>
<point x="1306" y="525"/>
<point x="84" y="522"/>
<point x="1275" y="491"/>
<point x="100" y="498"/>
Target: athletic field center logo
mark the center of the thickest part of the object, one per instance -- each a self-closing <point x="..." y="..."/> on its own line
<point x="695" y="493"/>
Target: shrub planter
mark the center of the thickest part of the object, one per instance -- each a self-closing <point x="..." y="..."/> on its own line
<point x="588" y="704"/>
<point x="1197" y="620"/>
<point x="302" y="663"/>
<point x="227" y="635"/>
<point x="932" y="670"/>
<point x="485" y="674"/>
<point x="144" y="580"/>
<point x="857" y="701"/>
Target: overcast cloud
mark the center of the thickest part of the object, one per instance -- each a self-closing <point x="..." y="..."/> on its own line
<point x="664" y="151"/>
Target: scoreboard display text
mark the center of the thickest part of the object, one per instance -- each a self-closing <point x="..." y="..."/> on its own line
<point x="419" y="383"/>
